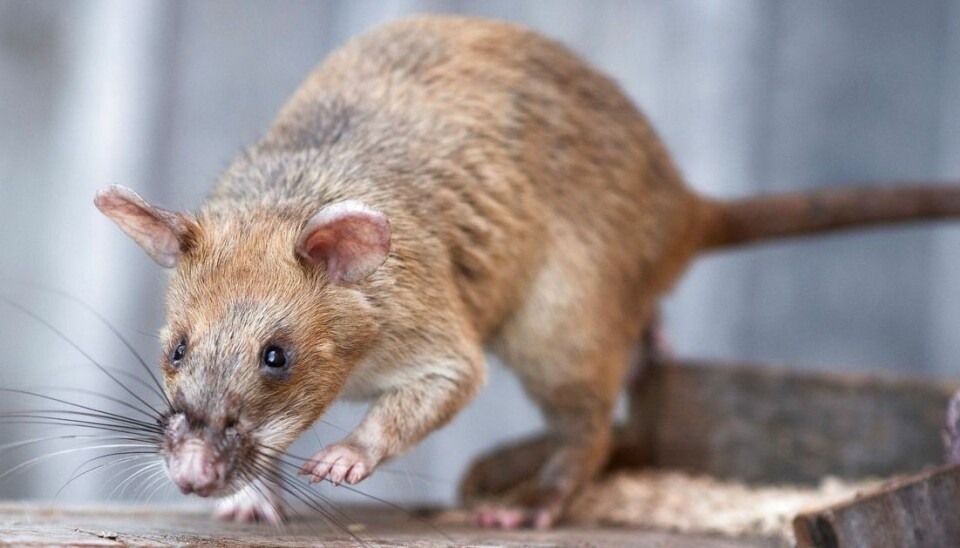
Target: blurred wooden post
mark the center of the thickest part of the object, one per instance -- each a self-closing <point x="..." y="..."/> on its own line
<point x="777" y="425"/>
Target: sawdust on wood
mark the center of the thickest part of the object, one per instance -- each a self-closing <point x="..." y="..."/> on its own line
<point x="684" y="503"/>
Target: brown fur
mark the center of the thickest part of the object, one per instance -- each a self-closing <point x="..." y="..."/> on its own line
<point x="533" y="211"/>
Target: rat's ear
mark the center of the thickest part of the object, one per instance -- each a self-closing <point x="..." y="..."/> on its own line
<point x="159" y="232"/>
<point x="350" y="239"/>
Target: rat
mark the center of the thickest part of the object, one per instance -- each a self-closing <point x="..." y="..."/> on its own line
<point x="437" y="187"/>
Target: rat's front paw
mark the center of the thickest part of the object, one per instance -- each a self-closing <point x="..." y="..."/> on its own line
<point x="251" y="505"/>
<point x="340" y="462"/>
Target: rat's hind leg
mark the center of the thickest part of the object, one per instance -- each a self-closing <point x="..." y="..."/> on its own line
<point x="577" y="409"/>
<point x="571" y="349"/>
<point x="501" y="469"/>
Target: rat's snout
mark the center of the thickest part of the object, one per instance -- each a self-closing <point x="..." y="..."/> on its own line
<point x="195" y="469"/>
<point x="197" y="456"/>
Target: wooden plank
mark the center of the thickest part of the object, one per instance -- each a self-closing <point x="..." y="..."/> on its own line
<point x="919" y="511"/>
<point x="765" y="424"/>
<point x="24" y="525"/>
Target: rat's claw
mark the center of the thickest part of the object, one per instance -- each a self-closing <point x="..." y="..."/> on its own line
<point x="357" y="472"/>
<point x="337" y="463"/>
<point x="317" y="467"/>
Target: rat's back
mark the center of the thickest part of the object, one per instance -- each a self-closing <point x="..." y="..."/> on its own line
<point x="497" y="142"/>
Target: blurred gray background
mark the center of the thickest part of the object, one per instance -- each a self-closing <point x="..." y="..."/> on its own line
<point x="751" y="96"/>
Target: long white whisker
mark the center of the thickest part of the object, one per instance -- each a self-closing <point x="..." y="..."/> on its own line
<point x="130" y="478"/>
<point x="77" y="473"/>
<point x="159" y="488"/>
<point x="145" y="483"/>
<point x="74" y="450"/>
<point x="25" y="443"/>
<point x="126" y="470"/>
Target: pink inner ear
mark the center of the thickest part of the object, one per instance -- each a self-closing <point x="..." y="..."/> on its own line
<point x="157" y="230"/>
<point x="349" y="239"/>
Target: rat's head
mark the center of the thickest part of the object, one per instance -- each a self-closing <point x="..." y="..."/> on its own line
<point x="264" y="322"/>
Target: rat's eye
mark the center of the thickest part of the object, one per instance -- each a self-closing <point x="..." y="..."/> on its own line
<point x="179" y="351"/>
<point x="273" y="356"/>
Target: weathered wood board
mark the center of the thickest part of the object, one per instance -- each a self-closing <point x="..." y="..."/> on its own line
<point x="919" y="511"/>
<point x="25" y="525"/>
<point x="778" y="425"/>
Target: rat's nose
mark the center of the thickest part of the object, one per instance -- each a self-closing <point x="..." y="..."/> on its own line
<point x="195" y="469"/>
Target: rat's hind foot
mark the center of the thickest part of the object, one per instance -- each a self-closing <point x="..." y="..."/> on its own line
<point x="545" y="474"/>
<point x="251" y="504"/>
<point x="528" y="505"/>
<point x="502" y="469"/>
<point x="494" y="484"/>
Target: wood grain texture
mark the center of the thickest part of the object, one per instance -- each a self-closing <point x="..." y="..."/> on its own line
<point x="920" y="511"/>
<point x="25" y="525"/>
<point x="766" y="424"/>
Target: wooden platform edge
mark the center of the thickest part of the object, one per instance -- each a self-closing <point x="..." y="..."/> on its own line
<point x="919" y="510"/>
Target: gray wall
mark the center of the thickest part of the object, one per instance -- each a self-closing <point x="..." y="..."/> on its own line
<point x="751" y="96"/>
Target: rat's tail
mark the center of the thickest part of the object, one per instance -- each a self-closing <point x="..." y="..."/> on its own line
<point x="740" y="222"/>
